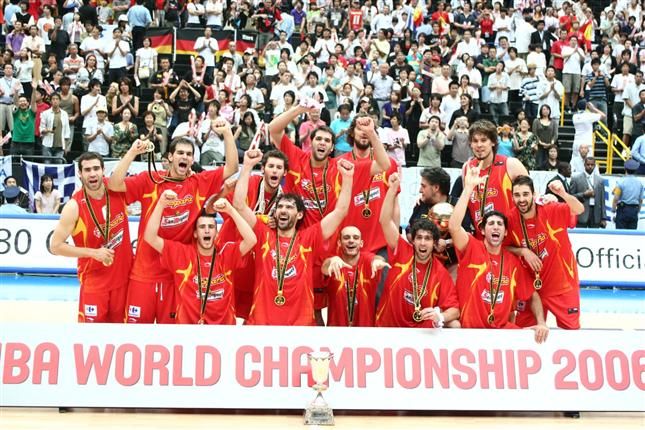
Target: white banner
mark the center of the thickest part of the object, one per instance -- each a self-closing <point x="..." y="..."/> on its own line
<point x="605" y="257"/>
<point x="24" y="244"/>
<point x="248" y="367"/>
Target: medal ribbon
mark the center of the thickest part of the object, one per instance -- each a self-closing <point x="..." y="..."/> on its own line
<point x="537" y="284"/>
<point x="282" y="270"/>
<point x="351" y="297"/>
<point x="260" y="206"/>
<point x="417" y="294"/>
<point x="495" y="292"/>
<point x="482" y="207"/>
<point x="105" y="234"/>
<point x="366" y="193"/>
<point x="313" y="183"/>
<point x="203" y="295"/>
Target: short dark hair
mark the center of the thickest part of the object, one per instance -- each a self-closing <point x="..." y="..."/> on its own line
<point x="43" y="179"/>
<point x="274" y="153"/>
<point x="94" y="82"/>
<point x="295" y="198"/>
<point x="524" y="180"/>
<point x="485" y="127"/>
<point x="87" y="156"/>
<point x="180" y="141"/>
<point x="493" y="213"/>
<point x="424" y="224"/>
<point x="437" y="176"/>
<point x="324" y="129"/>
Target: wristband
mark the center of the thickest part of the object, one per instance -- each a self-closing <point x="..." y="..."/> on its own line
<point x="442" y="319"/>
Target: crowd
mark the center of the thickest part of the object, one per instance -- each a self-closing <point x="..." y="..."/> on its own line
<point x="335" y="100"/>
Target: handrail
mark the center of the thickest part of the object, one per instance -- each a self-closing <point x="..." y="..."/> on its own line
<point x="621" y="150"/>
<point x="562" y="110"/>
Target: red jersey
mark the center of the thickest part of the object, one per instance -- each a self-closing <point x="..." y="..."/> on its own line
<point x="549" y="240"/>
<point x="177" y="220"/>
<point x="356" y="282"/>
<point x="496" y="192"/>
<point x="356" y="19"/>
<point x="397" y="302"/>
<point x="556" y="48"/>
<point x="298" y="288"/>
<point x="477" y="278"/>
<point x="486" y="26"/>
<point x="181" y="260"/>
<point x="369" y="226"/>
<point x="93" y="276"/>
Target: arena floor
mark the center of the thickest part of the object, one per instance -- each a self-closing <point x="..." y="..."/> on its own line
<point x="14" y="307"/>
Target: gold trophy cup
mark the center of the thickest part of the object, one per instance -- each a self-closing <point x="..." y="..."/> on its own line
<point x="318" y="412"/>
<point x="440" y="215"/>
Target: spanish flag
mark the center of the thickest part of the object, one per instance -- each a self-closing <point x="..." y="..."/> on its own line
<point x="586" y="30"/>
<point x="161" y="39"/>
<point x="417" y="17"/>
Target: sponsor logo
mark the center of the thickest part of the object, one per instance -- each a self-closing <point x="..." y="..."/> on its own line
<point x="290" y="273"/>
<point x="175" y="220"/>
<point x="116" y="240"/>
<point x="185" y="201"/>
<point x="359" y="199"/>
<point x="487" y="299"/>
<point x="521" y="305"/>
<point x="134" y="311"/>
<point x="408" y="297"/>
<point x="113" y="224"/>
<point x="91" y="310"/>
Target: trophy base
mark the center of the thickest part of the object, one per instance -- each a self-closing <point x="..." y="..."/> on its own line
<point x="319" y="415"/>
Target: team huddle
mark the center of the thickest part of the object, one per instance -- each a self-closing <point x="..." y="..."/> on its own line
<point x="313" y="232"/>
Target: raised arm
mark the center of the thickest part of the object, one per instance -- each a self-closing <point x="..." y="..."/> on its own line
<point x="381" y="163"/>
<point x="117" y="179"/>
<point x="575" y="205"/>
<point x="223" y="128"/>
<point x="386" y="219"/>
<point x="251" y="158"/>
<point x="282" y="121"/>
<point x="332" y="220"/>
<point x="151" y="234"/>
<point x="65" y="228"/>
<point x="459" y="235"/>
<point x="249" y="239"/>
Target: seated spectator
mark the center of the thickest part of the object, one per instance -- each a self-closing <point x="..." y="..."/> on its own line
<point x="47" y="199"/>
<point x="11" y="202"/>
<point x="99" y="133"/>
<point x="22" y="198"/>
<point x="86" y="74"/>
<point x="551" y="161"/>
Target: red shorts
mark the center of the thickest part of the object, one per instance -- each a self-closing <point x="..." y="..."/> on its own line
<point x="105" y="307"/>
<point x="150" y="302"/>
<point x="565" y="307"/>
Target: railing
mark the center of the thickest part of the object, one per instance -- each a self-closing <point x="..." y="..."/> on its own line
<point x="615" y="146"/>
<point x="562" y="110"/>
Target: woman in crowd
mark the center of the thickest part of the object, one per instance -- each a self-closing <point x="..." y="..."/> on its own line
<point x="162" y="112"/>
<point x="244" y="133"/>
<point x="394" y="106"/>
<point x="505" y="140"/>
<point x="24" y="71"/>
<point x="151" y="133"/>
<point x="551" y="162"/>
<point x="48" y="198"/>
<point x="125" y="133"/>
<point x="458" y="134"/>
<point x="545" y="130"/>
<point x="525" y="144"/>
<point x="125" y="99"/>
<point x="86" y="74"/>
<point x="145" y="64"/>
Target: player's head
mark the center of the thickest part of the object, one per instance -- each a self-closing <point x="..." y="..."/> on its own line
<point x="274" y="167"/>
<point x="289" y="210"/>
<point x="322" y="143"/>
<point x="350" y="241"/>
<point x="424" y="235"/>
<point x="435" y="183"/>
<point x="361" y="142"/>
<point x="483" y="139"/>
<point x="493" y="227"/>
<point x="90" y="170"/>
<point x="523" y="193"/>
<point x="205" y="231"/>
<point x="181" y="157"/>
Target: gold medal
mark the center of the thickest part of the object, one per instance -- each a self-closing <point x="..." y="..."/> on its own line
<point x="416" y="316"/>
<point x="367" y="212"/>
<point x="537" y="283"/>
<point x="491" y="318"/>
<point x="279" y="300"/>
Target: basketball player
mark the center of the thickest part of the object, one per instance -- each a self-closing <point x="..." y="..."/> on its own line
<point x="97" y="220"/>
<point x="490" y="278"/>
<point x="202" y="273"/>
<point x="351" y="281"/>
<point x="539" y="235"/>
<point x="151" y="291"/>
<point x="285" y="256"/>
<point x="418" y="289"/>
<point x="498" y="171"/>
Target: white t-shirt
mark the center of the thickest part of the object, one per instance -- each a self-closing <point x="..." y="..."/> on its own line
<point x="192" y="8"/>
<point x="99" y="144"/>
<point x="207" y="49"/>
<point x="44" y="25"/>
<point x="48" y="202"/>
<point x="621" y="81"/>
<point x="146" y="57"/>
<point x="515" y="78"/>
<point x="117" y="60"/>
<point x="448" y="106"/>
<point x="572" y="63"/>
<point x="631" y="93"/>
<point x="88" y="100"/>
<point x="214" y="11"/>
<point x="95" y="46"/>
<point x="583" y="123"/>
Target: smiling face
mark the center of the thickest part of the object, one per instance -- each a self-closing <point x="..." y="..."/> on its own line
<point x="481" y="146"/>
<point x="181" y="160"/>
<point x="274" y="171"/>
<point x="423" y="244"/>
<point x="286" y="214"/>
<point x="350" y="241"/>
<point x="205" y="232"/>
<point x="494" y="231"/>
<point x="322" y="145"/>
<point x="523" y="198"/>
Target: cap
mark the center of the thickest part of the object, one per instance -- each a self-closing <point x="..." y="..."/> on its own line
<point x="12" y="192"/>
<point x="630" y="164"/>
<point x="101" y="109"/>
<point x="531" y="66"/>
<point x="249" y="51"/>
<point x="365" y="99"/>
<point x="436" y="58"/>
<point x="123" y="18"/>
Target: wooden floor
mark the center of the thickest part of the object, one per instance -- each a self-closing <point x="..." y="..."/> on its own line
<point x="97" y="419"/>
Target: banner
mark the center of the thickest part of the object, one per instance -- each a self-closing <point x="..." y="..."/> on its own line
<point x="162" y="39"/>
<point x="115" y="365"/>
<point x="64" y="177"/>
<point x="187" y="37"/>
<point x="5" y="170"/>
<point x="25" y="240"/>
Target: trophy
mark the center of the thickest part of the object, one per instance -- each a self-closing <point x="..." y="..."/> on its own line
<point x="318" y="412"/>
<point x="440" y="215"/>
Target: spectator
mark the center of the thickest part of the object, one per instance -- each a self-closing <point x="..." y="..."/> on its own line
<point x="165" y="78"/>
<point x="23" y="140"/>
<point x="214" y="11"/>
<point x="313" y="122"/>
<point x="183" y="99"/>
<point x="99" y="133"/>
<point x="396" y="141"/>
<point x="23" y="197"/>
<point x="94" y="45"/>
<point x="10" y="90"/>
<point x="573" y="56"/>
<point x="86" y="74"/>
<point x="596" y="84"/>
<point x="11" y="202"/>
<point x="619" y="82"/>
<point x="498" y="84"/>
<point x="125" y="133"/>
<point x="583" y="121"/>
<point x="340" y="127"/>
<point x="563" y="175"/>
<point x="475" y="81"/>
<point x="149" y="132"/>
<point x="88" y="13"/>
<point x="162" y="111"/>
<point x="47" y="199"/>
<point x="15" y="38"/>
<point x="116" y="52"/>
<point x="36" y="44"/>
<point x="631" y="98"/>
<point x="394" y="106"/>
<point x="552" y="91"/>
<point x="91" y="103"/>
<point x="551" y="162"/>
<point x="139" y="18"/>
<point x="73" y="63"/>
<point x="525" y="144"/>
<point x="145" y="64"/>
<point x="431" y="142"/>
<point x="206" y="46"/>
<point x="25" y="71"/>
<point x="458" y="134"/>
<point x="382" y="84"/>
<point x="638" y="113"/>
<point x="244" y="133"/>
<point x="530" y="92"/>
<point x="546" y="131"/>
<point x="505" y="140"/>
<point x="638" y="153"/>
<point x="55" y="131"/>
<point x="515" y="67"/>
<point x="450" y="103"/>
<point x="589" y="188"/>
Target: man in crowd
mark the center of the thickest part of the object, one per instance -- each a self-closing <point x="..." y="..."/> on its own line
<point x="589" y="188"/>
